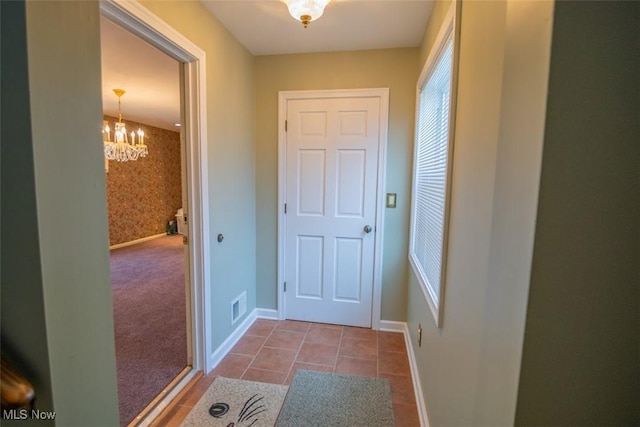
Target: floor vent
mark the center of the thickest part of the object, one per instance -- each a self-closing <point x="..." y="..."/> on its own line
<point x="238" y="307"/>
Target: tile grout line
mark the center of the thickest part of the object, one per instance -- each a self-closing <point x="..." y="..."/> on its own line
<point x="335" y="364"/>
<point x="377" y="354"/>
<point x="295" y="358"/>
<point x="257" y="352"/>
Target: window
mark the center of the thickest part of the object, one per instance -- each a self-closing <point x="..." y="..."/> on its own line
<point x="432" y="166"/>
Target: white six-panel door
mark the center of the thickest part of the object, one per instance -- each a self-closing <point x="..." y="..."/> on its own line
<point x="331" y="186"/>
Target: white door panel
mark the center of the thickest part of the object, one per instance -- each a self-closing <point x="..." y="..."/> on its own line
<point x="331" y="187"/>
<point x="311" y="181"/>
<point x="348" y="274"/>
<point x="310" y="262"/>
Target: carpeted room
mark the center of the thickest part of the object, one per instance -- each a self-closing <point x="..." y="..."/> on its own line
<point x="148" y="277"/>
<point x="145" y="219"/>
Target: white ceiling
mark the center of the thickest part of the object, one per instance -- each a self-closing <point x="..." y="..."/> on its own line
<point x="150" y="78"/>
<point x="264" y="27"/>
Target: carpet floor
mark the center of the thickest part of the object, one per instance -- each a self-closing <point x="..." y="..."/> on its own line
<point x="230" y="402"/>
<point x="149" y="319"/>
<point x="320" y="399"/>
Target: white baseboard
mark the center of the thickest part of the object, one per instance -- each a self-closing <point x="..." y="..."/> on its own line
<point x="393" y="326"/>
<point x="266" y="313"/>
<point x="401" y="327"/>
<point x="224" y="348"/>
<point x="422" y="407"/>
<point x="135" y="242"/>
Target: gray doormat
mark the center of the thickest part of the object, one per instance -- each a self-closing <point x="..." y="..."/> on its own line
<point x="322" y="399"/>
<point x="230" y="402"/>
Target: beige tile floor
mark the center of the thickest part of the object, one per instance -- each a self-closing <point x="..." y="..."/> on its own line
<point x="271" y="351"/>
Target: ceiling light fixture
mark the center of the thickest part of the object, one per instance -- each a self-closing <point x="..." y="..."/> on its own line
<point x="306" y="11"/>
<point x="121" y="149"/>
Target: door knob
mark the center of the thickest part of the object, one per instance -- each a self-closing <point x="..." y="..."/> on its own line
<point x="367" y="229"/>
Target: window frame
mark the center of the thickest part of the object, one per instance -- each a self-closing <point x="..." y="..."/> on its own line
<point x="448" y="31"/>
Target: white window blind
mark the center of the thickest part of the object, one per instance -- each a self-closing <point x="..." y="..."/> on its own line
<point x="431" y="174"/>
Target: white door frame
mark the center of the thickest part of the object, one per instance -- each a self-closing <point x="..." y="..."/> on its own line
<point x="138" y="20"/>
<point x="283" y="98"/>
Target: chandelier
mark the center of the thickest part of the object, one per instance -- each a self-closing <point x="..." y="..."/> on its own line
<point x="306" y="10"/>
<point x="122" y="148"/>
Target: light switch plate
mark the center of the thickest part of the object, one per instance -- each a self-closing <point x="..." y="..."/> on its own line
<point x="391" y="200"/>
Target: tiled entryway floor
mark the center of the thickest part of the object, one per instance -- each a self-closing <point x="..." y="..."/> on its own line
<point x="271" y="351"/>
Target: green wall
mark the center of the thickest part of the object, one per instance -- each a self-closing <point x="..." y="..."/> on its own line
<point x="24" y="335"/>
<point x="436" y="17"/>
<point x="56" y="305"/>
<point x="62" y="265"/>
<point x="469" y="368"/>
<point x="581" y="357"/>
<point x="231" y="157"/>
<point x="392" y="68"/>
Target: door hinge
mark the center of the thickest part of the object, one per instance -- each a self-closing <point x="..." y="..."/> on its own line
<point x="285" y="125"/>
<point x="285" y="286"/>
<point x="185" y="240"/>
<point x="285" y="208"/>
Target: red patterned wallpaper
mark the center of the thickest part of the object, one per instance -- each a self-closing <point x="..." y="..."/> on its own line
<point x="142" y="195"/>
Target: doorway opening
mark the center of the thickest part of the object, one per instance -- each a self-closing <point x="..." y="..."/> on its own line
<point x="190" y="249"/>
<point x="149" y="266"/>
